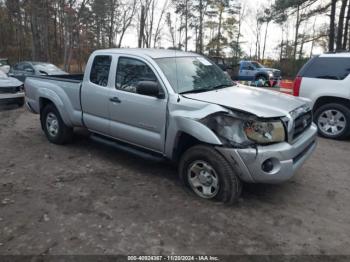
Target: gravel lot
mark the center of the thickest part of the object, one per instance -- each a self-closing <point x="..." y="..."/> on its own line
<point x="87" y="198"/>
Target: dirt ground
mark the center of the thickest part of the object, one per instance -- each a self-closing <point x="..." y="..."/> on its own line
<point x="87" y="198"/>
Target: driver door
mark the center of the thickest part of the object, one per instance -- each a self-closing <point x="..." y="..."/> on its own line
<point x="135" y="118"/>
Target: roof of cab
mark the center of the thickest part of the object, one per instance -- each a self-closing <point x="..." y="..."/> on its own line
<point x="339" y="54"/>
<point x="150" y="52"/>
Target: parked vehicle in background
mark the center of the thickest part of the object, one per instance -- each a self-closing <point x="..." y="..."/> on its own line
<point x="179" y="106"/>
<point x="4" y="65"/>
<point x="224" y="65"/>
<point x="24" y="69"/>
<point x="11" y="90"/>
<point x="254" y="71"/>
<point x="325" y="80"/>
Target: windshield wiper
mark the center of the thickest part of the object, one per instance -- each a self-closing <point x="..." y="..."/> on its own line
<point x="222" y="86"/>
<point x="196" y="91"/>
<point x="202" y="90"/>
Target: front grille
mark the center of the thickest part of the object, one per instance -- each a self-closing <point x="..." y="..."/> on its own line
<point x="12" y="90"/>
<point x="301" y="123"/>
<point x="277" y="73"/>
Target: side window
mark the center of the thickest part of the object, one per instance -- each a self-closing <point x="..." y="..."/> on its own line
<point x="329" y="68"/>
<point x="130" y="72"/>
<point x="100" y="70"/>
<point x="18" y="66"/>
<point x="245" y="66"/>
<point x="27" y="67"/>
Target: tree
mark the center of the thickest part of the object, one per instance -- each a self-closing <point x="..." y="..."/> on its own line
<point x="127" y="13"/>
<point x="332" y="26"/>
<point x="181" y="8"/>
<point x="346" y="31"/>
<point x="303" y="10"/>
<point x="171" y="29"/>
<point x="267" y="18"/>
<point x="241" y="11"/>
<point x="200" y="7"/>
<point x="340" y="33"/>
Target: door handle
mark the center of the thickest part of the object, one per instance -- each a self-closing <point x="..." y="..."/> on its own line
<point x="115" y="100"/>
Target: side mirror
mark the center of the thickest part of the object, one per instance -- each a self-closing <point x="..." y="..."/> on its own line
<point x="149" y="88"/>
<point x="251" y="68"/>
<point x="43" y="73"/>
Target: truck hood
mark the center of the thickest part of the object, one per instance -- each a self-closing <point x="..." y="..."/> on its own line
<point x="266" y="69"/>
<point x="257" y="101"/>
<point x="9" y="82"/>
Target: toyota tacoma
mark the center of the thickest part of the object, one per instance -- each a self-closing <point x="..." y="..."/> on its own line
<point x="179" y="106"/>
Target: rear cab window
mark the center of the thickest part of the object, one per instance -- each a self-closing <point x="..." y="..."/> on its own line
<point x="332" y="68"/>
<point x="100" y="70"/>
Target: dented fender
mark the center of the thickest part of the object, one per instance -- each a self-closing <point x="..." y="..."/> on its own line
<point x="184" y="121"/>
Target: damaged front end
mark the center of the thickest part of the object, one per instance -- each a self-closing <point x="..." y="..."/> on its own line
<point x="243" y="130"/>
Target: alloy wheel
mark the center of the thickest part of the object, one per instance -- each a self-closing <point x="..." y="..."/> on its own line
<point x="332" y="122"/>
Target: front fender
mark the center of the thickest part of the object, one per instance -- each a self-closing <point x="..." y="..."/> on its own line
<point x="188" y="123"/>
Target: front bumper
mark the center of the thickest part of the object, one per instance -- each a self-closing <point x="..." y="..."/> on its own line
<point x="286" y="158"/>
<point x="275" y="80"/>
<point x="9" y="98"/>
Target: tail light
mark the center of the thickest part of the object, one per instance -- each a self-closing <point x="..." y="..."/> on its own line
<point x="297" y="85"/>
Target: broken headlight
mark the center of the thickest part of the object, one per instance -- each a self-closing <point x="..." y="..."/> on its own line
<point x="265" y="132"/>
<point x="242" y="130"/>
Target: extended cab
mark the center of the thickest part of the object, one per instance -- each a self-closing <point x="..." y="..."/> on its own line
<point x="179" y="106"/>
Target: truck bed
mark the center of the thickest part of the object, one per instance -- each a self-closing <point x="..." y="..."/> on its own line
<point x="75" y="78"/>
<point x="67" y="92"/>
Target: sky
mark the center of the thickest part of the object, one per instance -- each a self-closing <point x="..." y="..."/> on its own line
<point x="248" y="30"/>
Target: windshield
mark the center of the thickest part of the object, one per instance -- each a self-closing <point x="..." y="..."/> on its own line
<point x="45" y="67"/>
<point x="257" y="65"/>
<point x="193" y="74"/>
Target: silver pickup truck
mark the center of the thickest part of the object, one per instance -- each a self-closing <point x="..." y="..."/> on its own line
<point x="179" y="106"/>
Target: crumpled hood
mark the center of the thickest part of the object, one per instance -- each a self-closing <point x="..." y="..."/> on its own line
<point x="260" y="102"/>
<point x="9" y="82"/>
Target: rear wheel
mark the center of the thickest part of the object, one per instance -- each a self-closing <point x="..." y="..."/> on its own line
<point x="333" y="121"/>
<point x="208" y="174"/>
<point x="56" y="130"/>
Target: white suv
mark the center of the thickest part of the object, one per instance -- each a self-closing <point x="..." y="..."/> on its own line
<point x="325" y="79"/>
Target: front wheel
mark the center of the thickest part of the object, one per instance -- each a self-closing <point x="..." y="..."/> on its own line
<point x="20" y="103"/>
<point x="208" y="174"/>
<point x="333" y="121"/>
<point x="262" y="81"/>
<point x="55" y="129"/>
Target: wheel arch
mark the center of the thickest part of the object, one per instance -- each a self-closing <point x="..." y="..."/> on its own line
<point x="329" y="100"/>
<point x="44" y="101"/>
<point x="183" y="142"/>
<point x="261" y="74"/>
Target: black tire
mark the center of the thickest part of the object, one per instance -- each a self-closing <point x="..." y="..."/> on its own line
<point x="230" y="186"/>
<point x="338" y="107"/>
<point x="64" y="133"/>
<point x="263" y="78"/>
<point x="21" y="103"/>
